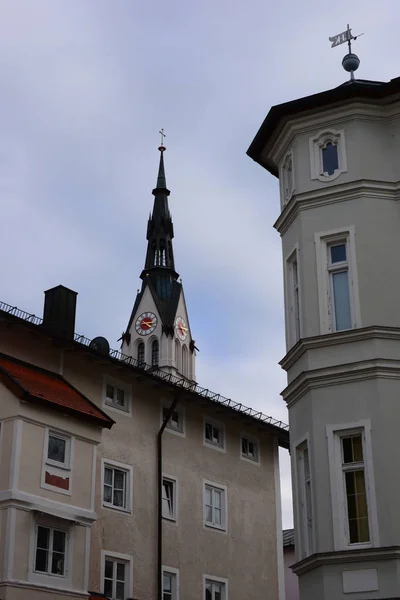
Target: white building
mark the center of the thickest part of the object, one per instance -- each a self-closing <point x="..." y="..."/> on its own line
<point x="336" y="154"/>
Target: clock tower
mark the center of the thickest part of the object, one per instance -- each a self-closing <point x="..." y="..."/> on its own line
<point x="158" y="332"/>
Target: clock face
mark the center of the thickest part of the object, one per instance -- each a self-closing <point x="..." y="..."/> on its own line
<point x="146" y="323"/>
<point x="181" y="328"/>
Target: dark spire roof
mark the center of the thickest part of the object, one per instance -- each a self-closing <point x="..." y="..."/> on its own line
<point x="159" y="270"/>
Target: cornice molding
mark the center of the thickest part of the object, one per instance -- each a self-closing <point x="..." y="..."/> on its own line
<point x="340" y="374"/>
<point x="323" y="196"/>
<point x="352" y="111"/>
<point x="336" y="339"/>
<point x="31" y="502"/>
<point x="345" y="557"/>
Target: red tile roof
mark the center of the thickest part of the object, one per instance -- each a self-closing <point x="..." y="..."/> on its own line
<point x="46" y="387"/>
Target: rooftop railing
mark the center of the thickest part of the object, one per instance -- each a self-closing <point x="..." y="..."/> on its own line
<point x="179" y="382"/>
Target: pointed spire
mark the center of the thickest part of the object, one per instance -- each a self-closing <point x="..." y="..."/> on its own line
<point x="161" y="180"/>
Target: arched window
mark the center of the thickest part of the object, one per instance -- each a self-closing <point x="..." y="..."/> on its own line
<point x="163" y="261"/>
<point x="178" y="355"/>
<point x="184" y="361"/>
<point x="154" y="353"/>
<point x="140" y="354"/>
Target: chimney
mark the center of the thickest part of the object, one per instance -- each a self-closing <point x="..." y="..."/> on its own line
<point x="59" y="312"/>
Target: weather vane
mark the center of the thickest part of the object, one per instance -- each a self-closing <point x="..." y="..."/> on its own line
<point x="162" y="147"/>
<point x="350" y="62"/>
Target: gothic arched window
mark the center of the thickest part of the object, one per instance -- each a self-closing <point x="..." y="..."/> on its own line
<point x="184" y="361"/>
<point x="154" y="353"/>
<point x="140" y="354"/>
<point x="178" y="355"/>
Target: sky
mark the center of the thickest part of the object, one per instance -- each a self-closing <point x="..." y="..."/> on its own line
<point x="85" y="86"/>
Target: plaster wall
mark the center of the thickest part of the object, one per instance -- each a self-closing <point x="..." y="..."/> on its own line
<point x="291" y="580"/>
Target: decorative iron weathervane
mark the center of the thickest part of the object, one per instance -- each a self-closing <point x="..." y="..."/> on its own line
<point x="163" y="135"/>
<point x="350" y="62"/>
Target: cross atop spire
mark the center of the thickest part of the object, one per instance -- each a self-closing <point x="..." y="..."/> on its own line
<point x="163" y="135"/>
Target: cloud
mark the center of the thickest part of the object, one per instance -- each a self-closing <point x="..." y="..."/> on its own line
<point x="84" y="89"/>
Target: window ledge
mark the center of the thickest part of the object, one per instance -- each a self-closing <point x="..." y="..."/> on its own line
<point x="126" y="511"/>
<point x="214" y="446"/>
<point x="170" y="519"/>
<point x="53" y="463"/>
<point x="215" y="527"/>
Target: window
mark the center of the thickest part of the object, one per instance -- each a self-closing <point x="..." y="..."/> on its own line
<point x="305" y="500"/>
<point x="116" y="396"/>
<point x="50" y="551"/>
<point x="352" y="484"/>
<point x="214" y="506"/>
<point x="117" y="482"/>
<point x="58" y="449"/>
<point x="339" y="305"/>
<point x="287" y="178"/>
<point x="330" y="160"/>
<point x="178" y="356"/>
<point x="176" y="420"/>
<point x="170" y="583"/>
<point x="328" y="155"/>
<point x="355" y="489"/>
<point x="338" y="269"/>
<point x="115" y="578"/>
<point x="293" y="299"/>
<point x="141" y="354"/>
<point x="154" y="353"/>
<point x="169" y="498"/>
<point x="214" y="434"/>
<point x="250" y="449"/>
<point x="215" y="589"/>
<point x="184" y="361"/>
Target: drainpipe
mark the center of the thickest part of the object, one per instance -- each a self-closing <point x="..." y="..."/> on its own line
<point x="159" y="497"/>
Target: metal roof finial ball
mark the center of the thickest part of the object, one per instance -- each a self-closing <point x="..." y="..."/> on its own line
<point x="350" y="62"/>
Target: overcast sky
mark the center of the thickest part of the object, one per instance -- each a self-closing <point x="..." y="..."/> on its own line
<point x="85" y="85"/>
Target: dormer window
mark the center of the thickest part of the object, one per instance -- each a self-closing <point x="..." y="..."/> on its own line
<point x="287" y="178"/>
<point x="328" y="155"/>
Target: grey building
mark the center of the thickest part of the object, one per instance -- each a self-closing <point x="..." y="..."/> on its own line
<point x="336" y="156"/>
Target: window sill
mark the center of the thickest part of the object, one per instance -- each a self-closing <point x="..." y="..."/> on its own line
<point x="250" y="460"/>
<point x="175" y="431"/>
<point x="215" y="527"/>
<point x="120" y="411"/>
<point x="214" y="446"/>
<point x="53" y="463"/>
<point x="125" y="511"/>
<point x="170" y="519"/>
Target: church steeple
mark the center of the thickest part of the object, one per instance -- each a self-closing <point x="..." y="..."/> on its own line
<point x="160" y="231"/>
<point x="158" y="332"/>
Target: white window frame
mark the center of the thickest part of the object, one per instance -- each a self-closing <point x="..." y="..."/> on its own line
<point x="254" y="440"/>
<point x="224" y="506"/>
<point x="214" y="579"/>
<point x="39" y="577"/>
<point x="317" y="143"/>
<point x="112" y="464"/>
<point x="305" y="507"/>
<point x="118" y="556"/>
<point x="334" y="434"/>
<point x="66" y="465"/>
<point x="174" y="482"/>
<point x="287" y="178"/>
<point x="293" y="298"/>
<point x="323" y="241"/>
<point x="170" y="427"/>
<point x="122" y="385"/>
<point x="175" y="580"/>
<point x="50" y="550"/>
<point x="218" y="425"/>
